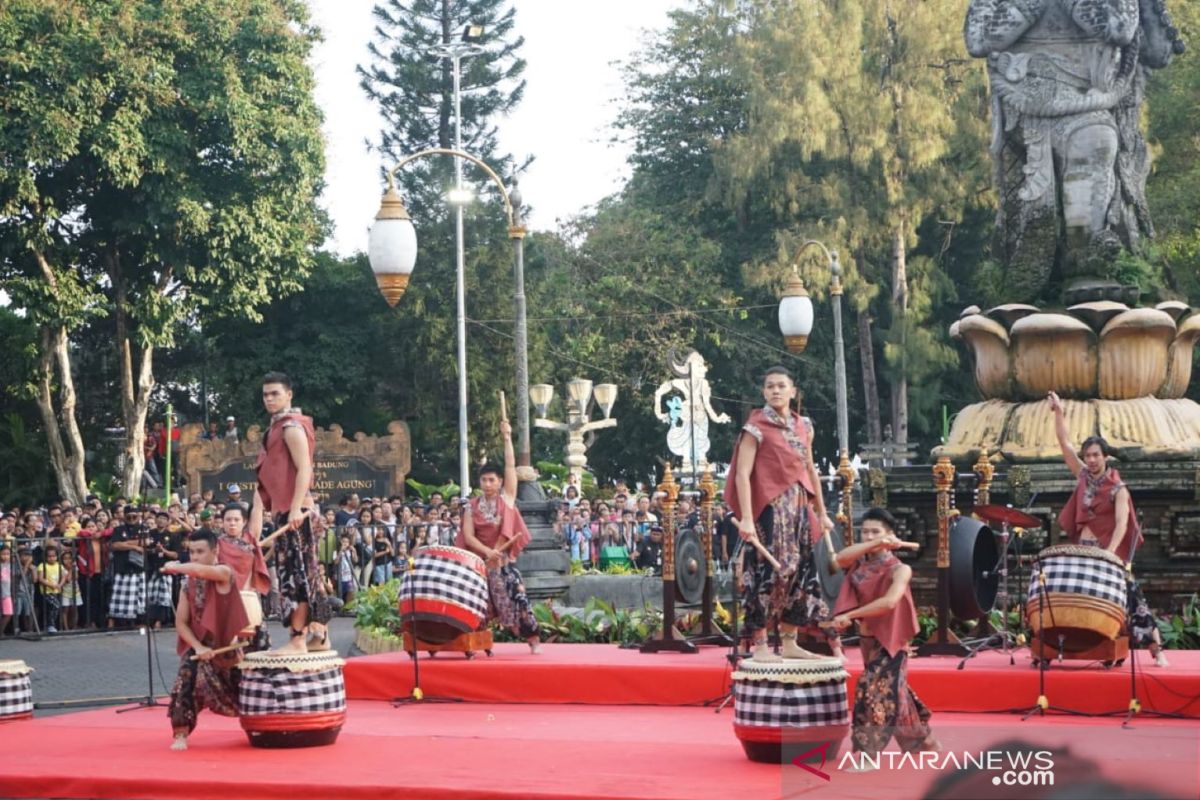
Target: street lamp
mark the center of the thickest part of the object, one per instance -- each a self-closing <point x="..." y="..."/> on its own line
<point x="392" y="251"/>
<point x="795" y="323"/>
<point x="580" y="393"/>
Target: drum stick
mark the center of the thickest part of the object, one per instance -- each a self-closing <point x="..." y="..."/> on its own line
<point x="503" y="408"/>
<point x="226" y="649"/>
<point x="762" y="548"/>
<point x="275" y="534"/>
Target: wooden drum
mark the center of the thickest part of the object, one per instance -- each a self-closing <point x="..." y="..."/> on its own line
<point x="444" y="594"/>
<point x="294" y="700"/>
<point x="16" y="692"/>
<point x="1085" y="597"/>
<point x="800" y="704"/>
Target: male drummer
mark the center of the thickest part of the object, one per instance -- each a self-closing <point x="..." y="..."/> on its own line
<point x="209" y="616"/>
<point x="285" y="476"/>
<point x="1100" y="513"/>
<point x="489" y="523"/>
<point x="876" y="593"/>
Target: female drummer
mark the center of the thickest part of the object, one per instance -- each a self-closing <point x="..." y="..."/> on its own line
<point x="1100" y="513"/>
<point x="489" y="524"/>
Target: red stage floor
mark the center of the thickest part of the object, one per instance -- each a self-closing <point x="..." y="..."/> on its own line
<point x="608" y="675"/>
<point x="471" y="751"/>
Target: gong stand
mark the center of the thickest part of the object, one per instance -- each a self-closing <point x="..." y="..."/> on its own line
<point x="943" y="643"/>
<point x="668" y="639"/>
<point x="709" y="633"/>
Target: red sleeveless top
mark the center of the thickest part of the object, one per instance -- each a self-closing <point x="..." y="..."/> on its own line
<point x="276" y="472"/>
<point x="216" y="618"/>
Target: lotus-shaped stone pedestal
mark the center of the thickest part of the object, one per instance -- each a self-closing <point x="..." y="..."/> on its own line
<point x="1123" y="372"/>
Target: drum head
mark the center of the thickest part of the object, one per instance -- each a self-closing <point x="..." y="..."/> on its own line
<point x="691" y="568"/>
<point x="974" y="558"/>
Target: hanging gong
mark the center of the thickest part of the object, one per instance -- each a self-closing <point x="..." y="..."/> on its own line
<point x="974" y="568"/>
<point x="831" y="582"/>
<point x="691" y="568"/>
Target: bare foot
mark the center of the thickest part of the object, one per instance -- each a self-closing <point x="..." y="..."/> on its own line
<point x="320" y="638"/>
<point x="295" y="646"/>
<point x="535" y="647"/>
<point x="795" y="651"/>
<point x="763" y="655"/>
<point x="1160" y="660"/>
<point x="180" y="743"/>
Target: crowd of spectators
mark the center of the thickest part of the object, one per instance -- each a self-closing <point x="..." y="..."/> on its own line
<point x="66" y="567"/>
<point x="627" y="529"/>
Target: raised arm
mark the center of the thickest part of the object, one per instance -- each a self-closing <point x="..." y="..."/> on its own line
<point x="1069" y="452"/>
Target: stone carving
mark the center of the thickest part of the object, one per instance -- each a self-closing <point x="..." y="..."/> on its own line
<point x="688" y="416"/>
<point x="1070" y="161"/>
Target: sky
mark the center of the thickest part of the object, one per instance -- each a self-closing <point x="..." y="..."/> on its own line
<point x="564" y="121"/>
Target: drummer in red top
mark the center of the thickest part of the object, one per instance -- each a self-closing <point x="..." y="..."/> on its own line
<point x="285" y="475"/>
<point x="209" y="616"/>
<point x="776" y="494"/>
<point x="876" y="592"/>
<point x="488" y="524"/>
<point x="1100" y="513"/>
<point x="239" y="550"/>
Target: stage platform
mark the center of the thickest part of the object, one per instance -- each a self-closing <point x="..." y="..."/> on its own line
<point x="608" y="675"/>
<point x="471" y="751"/>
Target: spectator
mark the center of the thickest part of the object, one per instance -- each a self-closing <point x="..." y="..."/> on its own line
<point x="235" y="494"/>
<point x="725" y="535"/>
<point x="571" y="496"/>
<point x="231" y="431"/>
<point x="159" y="550"/>
<point x="387" y="517"/>
<point x="327" y="541"/>
<point x="212" y="434"/>
<point x="629" y="536"/>
<point x="128" y="559"/>
<point x="91" y="560"/>
<point x="71" y="598"/>
<point x="579" y="536"/>
<point x="436" y="500"/>
<point x="345" y="511"/>
<point x="400" y="563"/>
<point x="347" y="565"/>
<point x="643" y="505"/>
<point x="329" y="590"/>
<point x="650" y="553"/>
<point x="6" y="585"/>
<point x="23" y="591"/>
<point x="382" y="571"/>
<point x="49" y="579"/>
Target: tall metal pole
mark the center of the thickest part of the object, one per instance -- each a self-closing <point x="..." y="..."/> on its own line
<point x="516" y="232"/>
<point x="464" y="454"/>
<point x="839" y="349"/>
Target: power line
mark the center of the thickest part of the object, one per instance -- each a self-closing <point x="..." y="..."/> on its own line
<point x="678" y="312"/>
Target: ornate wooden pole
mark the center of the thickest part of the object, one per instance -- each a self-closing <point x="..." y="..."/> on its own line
<point x="708" y="634"/>
<point x="668" y="638"/>
<point x="984" y="472"/>
<point x="944" y="643"/>
<point x="845" y="513"/>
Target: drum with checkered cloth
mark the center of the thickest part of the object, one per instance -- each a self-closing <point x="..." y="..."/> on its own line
<point x="1084" y="600"/>
<point x="448" y="594"/>
<point x="292" y="700"/>
<point x="797" y="704"/>
<point x="16" y="692"/>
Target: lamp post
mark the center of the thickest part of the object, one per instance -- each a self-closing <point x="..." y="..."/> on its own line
<point x="392" y="251"/>
<point x="579" y="401"/>
<point x="795" y="323"/>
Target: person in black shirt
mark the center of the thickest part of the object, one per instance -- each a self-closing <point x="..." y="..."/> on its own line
<point x="725" y="535"/>
<point x="128" y="560"/>
<point x="650" y="553"/>
<point x="382" y="571"/>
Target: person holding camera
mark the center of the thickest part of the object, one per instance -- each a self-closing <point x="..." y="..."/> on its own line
<point x="158" y="544"/>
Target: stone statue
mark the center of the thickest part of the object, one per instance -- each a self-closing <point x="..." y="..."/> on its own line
<point x="688" y="416"/>
<point x="1070" y="161"/>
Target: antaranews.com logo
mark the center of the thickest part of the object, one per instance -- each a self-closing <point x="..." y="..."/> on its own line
<point x="1008" y="768"/>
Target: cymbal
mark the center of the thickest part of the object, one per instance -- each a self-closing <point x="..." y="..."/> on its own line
<point x="1005" y="514"/>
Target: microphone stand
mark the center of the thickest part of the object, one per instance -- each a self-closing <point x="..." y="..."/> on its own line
<point x="149" y="701"/>
<point x="1135" y="705"/>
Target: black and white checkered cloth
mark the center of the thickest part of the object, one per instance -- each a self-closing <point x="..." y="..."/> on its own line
<point x="128" y="597"/>
<point x="16" y="695"/>
<point x="1078" y="574"/>
<point x="159" y="591"/>
<point x="790" y="705"/>
<point x="281" y="691"/>
<point x="442" y="579"/>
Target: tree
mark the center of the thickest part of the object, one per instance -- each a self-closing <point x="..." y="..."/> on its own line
<point x="161" y="161"/>
<point x="863" y="115"/>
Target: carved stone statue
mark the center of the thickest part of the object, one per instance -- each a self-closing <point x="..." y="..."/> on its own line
<point x="1067" y="80"/>
<point x="688" y="415"/>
